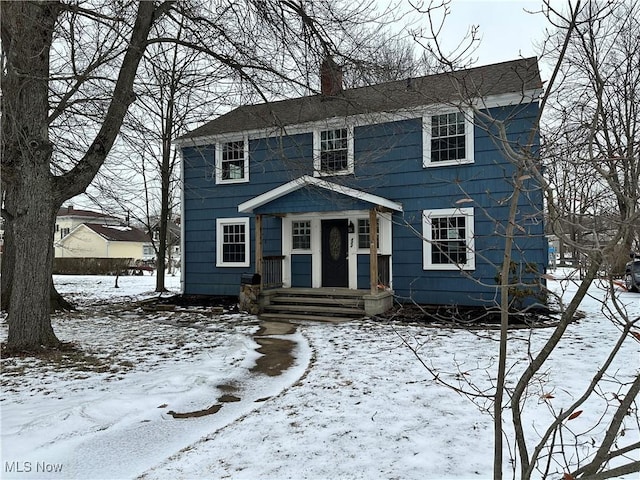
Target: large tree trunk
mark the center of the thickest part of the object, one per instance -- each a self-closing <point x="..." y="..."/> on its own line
<point x="34" y="193"/>
<point x="27" y="31"/>
<point x="29" y="324"/>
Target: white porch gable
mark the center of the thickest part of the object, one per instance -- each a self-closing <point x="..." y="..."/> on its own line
<point x="307" y="180"/>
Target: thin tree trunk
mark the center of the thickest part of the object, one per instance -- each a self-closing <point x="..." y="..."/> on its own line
<point x="8" y="262"/>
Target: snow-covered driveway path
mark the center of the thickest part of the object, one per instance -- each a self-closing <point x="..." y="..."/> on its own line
<point x="109" y="412"/>
<point x="354" y="404"/>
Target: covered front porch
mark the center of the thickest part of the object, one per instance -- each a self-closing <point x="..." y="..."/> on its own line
<point x="325" y="254"/>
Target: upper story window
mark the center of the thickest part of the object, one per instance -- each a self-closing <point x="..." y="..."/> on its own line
<point x="448" y="239"/>
<point x="301" y="235"/>
<point x="232" y="242"/>
<point x="232" y="164"/>
<point x="333" y="151"/>
<point x="448" y="139"/>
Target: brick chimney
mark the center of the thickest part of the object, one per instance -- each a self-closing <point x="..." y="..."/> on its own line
<point x="330" y="77"/>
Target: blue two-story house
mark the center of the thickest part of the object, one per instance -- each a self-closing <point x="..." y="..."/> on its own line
<point x="401" y="188"/>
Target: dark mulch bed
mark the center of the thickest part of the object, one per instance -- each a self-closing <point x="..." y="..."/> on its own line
<point x="468" y="317"/>
<point x="227" y="303"/>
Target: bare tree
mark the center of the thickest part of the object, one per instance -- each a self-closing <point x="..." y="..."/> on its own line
<point x="264" y="47"/>
<point x="175" y="90"/>
<point x="597" y="101"/>
<point x="32" y="193"/>
<point x="588" y="117"/>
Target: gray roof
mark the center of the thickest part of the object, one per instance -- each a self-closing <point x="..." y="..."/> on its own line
<point x="511" y="77"/>
<point x="116" y="233"/>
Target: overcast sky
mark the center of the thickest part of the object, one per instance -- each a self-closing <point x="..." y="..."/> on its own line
<point x="507" y="30"/>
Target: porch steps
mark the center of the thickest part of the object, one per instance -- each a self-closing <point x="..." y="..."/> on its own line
<point x="326" y="305"/>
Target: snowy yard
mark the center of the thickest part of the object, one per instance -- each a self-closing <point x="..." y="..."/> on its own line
<point x="169" y="395"/>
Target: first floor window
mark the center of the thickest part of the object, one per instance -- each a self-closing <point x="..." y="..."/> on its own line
<point x="448" y="239"/>
<point x="232" y="239"/>
<point x="301" y="235"/>
<point x="363" y="233"/>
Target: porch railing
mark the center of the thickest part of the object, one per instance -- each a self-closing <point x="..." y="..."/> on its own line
<point x="272" y="271"/>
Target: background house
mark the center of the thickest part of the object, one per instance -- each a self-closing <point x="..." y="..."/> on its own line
<point x="93" y="240"/>
<point x="396" y="187"/>
<point x="95" y="243"/>
<point x="70" y="217"/>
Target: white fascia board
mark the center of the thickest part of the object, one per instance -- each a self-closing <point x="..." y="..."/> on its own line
<point x="292" y="186"/>
<point x="75" y="229"/>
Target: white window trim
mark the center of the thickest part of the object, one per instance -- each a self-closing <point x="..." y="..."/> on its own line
<point x="427" y="246"/>
<point x="315" y="252"/>
<point x="220" y="223"/>
<point x="301" y="251"/>
<point x="426" y="139"/>
<point x="384" y="235"/>
<point x="218" y="169"/>
<point x="316" y="151"/>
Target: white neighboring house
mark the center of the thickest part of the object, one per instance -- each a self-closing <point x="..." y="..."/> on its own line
<point x="94" y="240"/>
<point x="69" y="218"/>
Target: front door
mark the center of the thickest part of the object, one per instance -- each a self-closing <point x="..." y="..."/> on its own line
<point x="335" y="267"/>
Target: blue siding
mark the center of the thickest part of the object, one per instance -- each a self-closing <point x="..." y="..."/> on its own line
<point x="301" y="271"/>
<point x="388" y="163"/>
<point x="363" y="272"/>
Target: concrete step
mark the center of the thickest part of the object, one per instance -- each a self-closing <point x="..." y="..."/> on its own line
<point x="326" y="304"/>
<point x="321" y="292"/>
<point x="307" y="300"/>
<point x="287" y="317"/>
<point x="316" y="309"/>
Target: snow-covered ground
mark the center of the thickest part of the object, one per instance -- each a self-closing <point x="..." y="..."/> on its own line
<point x="355" y="403"/>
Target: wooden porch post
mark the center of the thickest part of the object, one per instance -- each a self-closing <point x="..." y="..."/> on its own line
<point x="373" y="250"/>
<point x="259" y="255"/>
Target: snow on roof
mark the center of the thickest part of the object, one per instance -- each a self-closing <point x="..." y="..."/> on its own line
<point x="117" y="233"/>
<point x="122" y="228"/>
